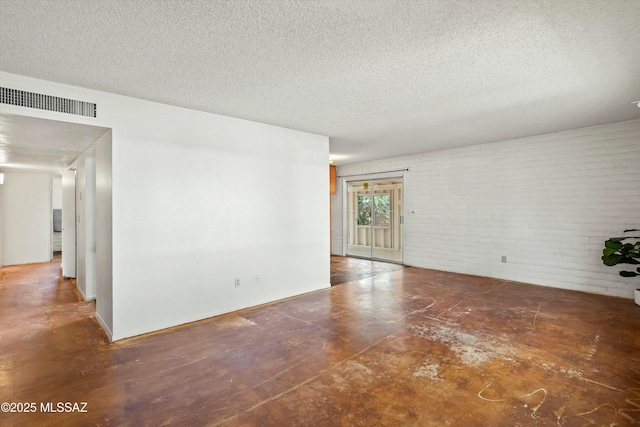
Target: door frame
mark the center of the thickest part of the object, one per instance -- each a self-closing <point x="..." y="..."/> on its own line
<point x="344" y="183"/>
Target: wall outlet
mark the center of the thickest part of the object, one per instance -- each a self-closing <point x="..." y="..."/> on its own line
<point x="237" y="283"/>
<point x="504" y="259"/>
<point x="257" y="279"/>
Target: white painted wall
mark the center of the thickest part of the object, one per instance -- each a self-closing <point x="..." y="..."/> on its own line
<point x="203" y="200"/>
<point x="86" y="225"/>
<point x="546" y="202"/>
<point x="90" y="224"/>
<point x="25" y="218"/>
<point x="56" y="203"/>
<point x="197" y="201"/>
<point x="56" y="193"/>
<point x="81" y="238"/>
<point x="1" y="220"/>
<point x="104" y="247"/>
<point x="69" y="223"/>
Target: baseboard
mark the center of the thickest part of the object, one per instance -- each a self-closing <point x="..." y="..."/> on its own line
<point x="84" y="297"/>
<point x="104" y="326"/>
<point x="215" y="313"/>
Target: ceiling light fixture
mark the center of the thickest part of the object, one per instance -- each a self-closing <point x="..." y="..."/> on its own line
<point x="637" y="103"/>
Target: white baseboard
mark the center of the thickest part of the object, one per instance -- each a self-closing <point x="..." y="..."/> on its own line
<point x="105" y="327"/>
<point x="215" y="313"/>
<point x="84" y="297"/>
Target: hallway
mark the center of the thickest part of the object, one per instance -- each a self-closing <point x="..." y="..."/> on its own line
<point x="404" y="347"/>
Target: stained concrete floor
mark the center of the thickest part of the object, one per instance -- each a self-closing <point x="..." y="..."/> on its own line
<point x="407" y="347"/>
<point x="348" y="269"/>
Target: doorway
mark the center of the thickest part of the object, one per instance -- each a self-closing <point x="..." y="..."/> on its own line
<point x="374" y="219"/>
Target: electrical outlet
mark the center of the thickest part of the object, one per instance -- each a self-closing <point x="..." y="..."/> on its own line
<point x="504" y="259"/>
<point x="237" y="282"/>
<point x="257" y="279"/>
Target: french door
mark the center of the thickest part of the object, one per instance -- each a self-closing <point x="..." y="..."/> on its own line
<point x="374" y="219"/>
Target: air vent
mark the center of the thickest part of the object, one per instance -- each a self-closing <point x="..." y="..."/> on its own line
<point x="23" y="98"/>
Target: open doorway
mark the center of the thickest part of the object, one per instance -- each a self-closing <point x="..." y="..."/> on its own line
<point x="36" y="150"/>
<point x="374" y="219"/>
<point x="47" y="215"/>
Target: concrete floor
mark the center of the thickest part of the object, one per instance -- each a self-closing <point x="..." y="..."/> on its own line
<point x="379" y="253"/>
<point x="405" y="347"/>
<point x="347" y="269"/>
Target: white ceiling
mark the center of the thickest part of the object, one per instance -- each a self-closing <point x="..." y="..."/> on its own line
<point x="381" y="78"/>
<point x="32" y="144"/>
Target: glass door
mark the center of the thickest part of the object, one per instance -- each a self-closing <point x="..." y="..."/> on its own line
<point x="374" y="224"/>
<point x="359" y="219"/>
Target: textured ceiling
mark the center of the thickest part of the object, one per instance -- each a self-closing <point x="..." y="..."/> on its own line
<point x="381" y="78"/>
<point x="28" y="143"/>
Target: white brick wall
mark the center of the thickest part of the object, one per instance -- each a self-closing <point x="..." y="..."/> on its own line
<point x="546" y="202"/>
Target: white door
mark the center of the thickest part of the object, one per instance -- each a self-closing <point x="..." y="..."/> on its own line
<point x="69" y="223"/>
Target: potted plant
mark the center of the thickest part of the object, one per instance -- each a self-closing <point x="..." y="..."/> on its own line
<point x="618" y="250"/>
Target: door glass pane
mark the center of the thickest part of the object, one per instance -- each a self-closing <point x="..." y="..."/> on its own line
<point x="359" y="218"/>
<point x="382" y="214"/>
<point x="374" y="228"/>
<point x="386" y="233"/>
<point x="364" y="210"/>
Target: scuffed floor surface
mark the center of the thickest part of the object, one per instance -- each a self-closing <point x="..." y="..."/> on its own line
<point x="409" y="347"/>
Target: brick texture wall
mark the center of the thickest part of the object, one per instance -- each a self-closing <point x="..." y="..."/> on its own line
<point x="547" y="203"/>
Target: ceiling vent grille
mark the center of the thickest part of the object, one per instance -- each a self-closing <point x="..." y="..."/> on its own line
<point x="23" y="98"/>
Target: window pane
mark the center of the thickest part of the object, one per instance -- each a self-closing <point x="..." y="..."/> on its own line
<point x="382" y="210"/>
<point x="364" y="210"/>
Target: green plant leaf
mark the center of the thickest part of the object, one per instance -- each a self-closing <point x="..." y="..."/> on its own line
<point x="618" y="250"/>
<point x="612" y="259"/>
<point x="626" y="249"/>
<point x="629" y="274"/>
<point x="610" y="244"/>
